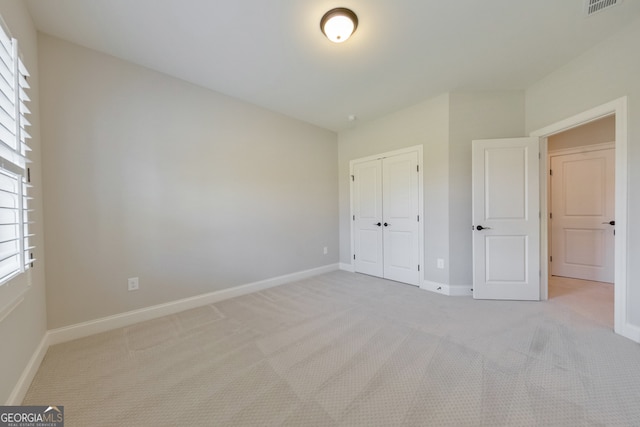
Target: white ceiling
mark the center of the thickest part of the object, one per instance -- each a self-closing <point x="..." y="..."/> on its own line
<point x="272" y="53"/>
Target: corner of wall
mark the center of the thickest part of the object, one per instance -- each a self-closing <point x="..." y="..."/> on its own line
<point x="474" y="115"/>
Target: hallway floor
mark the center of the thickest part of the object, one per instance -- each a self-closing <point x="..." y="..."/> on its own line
<point x="591" y="299"/>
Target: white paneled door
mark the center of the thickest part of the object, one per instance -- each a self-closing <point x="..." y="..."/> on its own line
<point x="367" y="210"/>
<point x="400" y="209"/>
<point x="582" y="215"/>
<point x="506" y="223"/>
<point x="386" y="217"/>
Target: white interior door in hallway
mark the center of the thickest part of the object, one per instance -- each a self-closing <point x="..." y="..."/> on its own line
<point x="506" y="225"/>
<point x="582" y="214"/>
<point x="386" y="217"/>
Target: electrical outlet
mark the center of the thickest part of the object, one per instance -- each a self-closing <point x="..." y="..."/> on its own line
<point x="325" y="250"/>
<point x="440" y="263"/>
<point x="133" y="284"/>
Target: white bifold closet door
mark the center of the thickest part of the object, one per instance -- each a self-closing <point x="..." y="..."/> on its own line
<point x="386" y="222"/>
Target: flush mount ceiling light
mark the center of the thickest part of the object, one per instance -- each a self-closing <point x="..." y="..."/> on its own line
<point x="338" y="24"/>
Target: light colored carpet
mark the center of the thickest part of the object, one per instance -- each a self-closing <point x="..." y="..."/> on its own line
<point x="344" y="349"/>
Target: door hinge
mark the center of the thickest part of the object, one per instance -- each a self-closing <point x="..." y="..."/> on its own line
<point x="550" y="172"/>
<point x="29" y="175"/>
<point x="418" y="218"/>
<point x="418" y="267"/>
<point x="354" y="217"/>
<point x="418" y="168"/>
<point x="353" y="178"/>
<point x="550" y="215"/>
<point x="550" y="259"/>
<point x="539" y="155"/>
<point x="354" y="256"/>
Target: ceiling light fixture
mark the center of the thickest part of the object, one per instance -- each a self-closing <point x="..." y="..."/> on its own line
<point x="338" y="24"/>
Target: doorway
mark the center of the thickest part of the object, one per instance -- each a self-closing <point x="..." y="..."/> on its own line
<point x="581" y="232"/>
<point x="581" y="188"/>
<point x="618" y="109"/>
<point x="386" y="211"/>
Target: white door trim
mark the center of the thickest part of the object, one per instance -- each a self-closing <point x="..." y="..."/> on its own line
<point x="582" y="149"/>
<point x="419" y="150"/>
<point x="619" y="108"/>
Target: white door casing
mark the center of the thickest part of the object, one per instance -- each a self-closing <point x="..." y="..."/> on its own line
<point x="387" y="189"/>
<point x="506" y="207"/>
<point x="619" y="109"/>
<point x="582" y="209"/>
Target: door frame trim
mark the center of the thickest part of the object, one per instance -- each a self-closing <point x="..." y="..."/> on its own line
<point x="617" y="107"/>
<point x="417" y="149"/>
<point x="582" y="149"/>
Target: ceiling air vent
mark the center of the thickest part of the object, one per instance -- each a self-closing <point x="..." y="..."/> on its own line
<point x="595" y="6"/>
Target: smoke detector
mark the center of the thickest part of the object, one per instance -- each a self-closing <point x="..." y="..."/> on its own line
<point x="594" y="6"/>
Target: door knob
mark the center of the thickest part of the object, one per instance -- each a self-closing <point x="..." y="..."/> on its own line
<point x="386" y="224"/>
<point x="610" y="223"/>
<point x="480" y="228"/>
<point x="378" y="224"/>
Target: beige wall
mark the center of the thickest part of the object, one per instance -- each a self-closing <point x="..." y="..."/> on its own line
<point x="424" y="124"/>
<point x="603" y="74"/>
<point x="23" y="329"/>
<point x="473" y="115"/>
<point x="596" y="132"/>
<point x="191" y="191"/>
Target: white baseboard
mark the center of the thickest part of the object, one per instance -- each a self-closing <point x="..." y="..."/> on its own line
<point x="461" y="290"/>
<point x="347" y="267"/>
<point x="630" y="331"/>
<point x="81" y="330"/>
<point x="20" y="390"/>
<point x="435" y="287"/>
<point x="449" y="290"/>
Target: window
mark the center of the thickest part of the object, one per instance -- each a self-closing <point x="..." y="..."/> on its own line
<point x="15" y="249"/>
